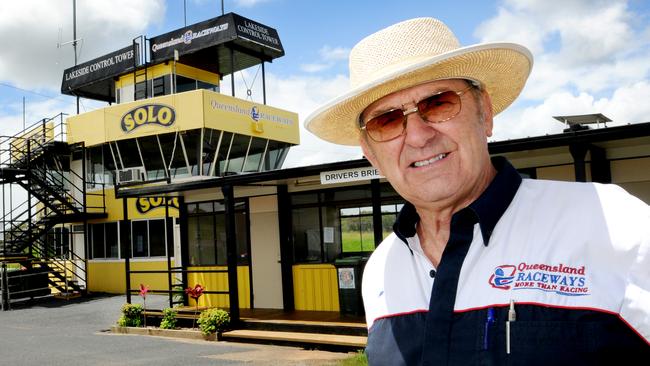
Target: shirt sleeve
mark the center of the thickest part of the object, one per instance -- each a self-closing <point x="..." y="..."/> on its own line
<point x="635" y="220"/>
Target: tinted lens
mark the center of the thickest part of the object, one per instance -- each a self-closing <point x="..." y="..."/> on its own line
<point x="440" y="107"/>
<point x="386" y="126"/>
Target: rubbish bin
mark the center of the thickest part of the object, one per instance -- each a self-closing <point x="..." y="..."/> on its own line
<point x="349" y="271"/>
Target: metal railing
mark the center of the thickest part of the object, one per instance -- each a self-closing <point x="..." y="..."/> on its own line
<point x="33" y="160"/>
<point x="13" y="148"/>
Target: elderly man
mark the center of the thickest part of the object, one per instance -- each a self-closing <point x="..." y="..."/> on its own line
<point x="483" y="267"/>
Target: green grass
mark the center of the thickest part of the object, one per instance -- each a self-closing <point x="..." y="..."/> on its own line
<point x="359" y="359"/>
<point x="351" y="241"/>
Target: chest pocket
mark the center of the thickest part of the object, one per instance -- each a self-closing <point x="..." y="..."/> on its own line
<point x="573" y="343"/>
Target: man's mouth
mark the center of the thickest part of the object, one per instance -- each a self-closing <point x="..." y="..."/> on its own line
<point x="421" y="163"/>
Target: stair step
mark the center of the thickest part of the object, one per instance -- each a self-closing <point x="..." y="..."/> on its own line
<point x="66" y="295"/>
<point x="346" y="341"/>
<point x="305" y="326"/>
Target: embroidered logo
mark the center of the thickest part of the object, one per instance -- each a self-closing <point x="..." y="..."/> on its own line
<point x="560" y="279"/>
<point x="503" y="276"/>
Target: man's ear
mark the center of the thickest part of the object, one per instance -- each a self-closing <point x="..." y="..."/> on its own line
<point x="488" y="114"/>
<point x="367" y="151"/>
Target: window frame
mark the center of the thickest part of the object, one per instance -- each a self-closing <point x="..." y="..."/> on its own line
<point x="331" y="201"/>
<point x="91" y="238"/>
<point x="147" y="243"/>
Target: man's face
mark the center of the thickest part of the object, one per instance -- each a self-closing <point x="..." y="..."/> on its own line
<point x="442" y="163"/>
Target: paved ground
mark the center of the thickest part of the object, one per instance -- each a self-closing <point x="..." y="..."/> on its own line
<point x="58" y="332"/>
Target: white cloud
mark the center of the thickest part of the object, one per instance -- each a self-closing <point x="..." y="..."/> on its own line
<point x="310" y="68"/>
<point x="11" y="121"/>
<point x="626" y="105"/>
<point x="30" y="31"/>
<point x="303" y="95"/>
<point x="329" y="53"/>
<point x="591" y="56"/>
<point x="508" y="26"/>
<point x="329" y="57"/>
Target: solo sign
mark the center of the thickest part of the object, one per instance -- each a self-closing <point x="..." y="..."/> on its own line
<point x="146" y="204"/>
<point x="159" y="114"/>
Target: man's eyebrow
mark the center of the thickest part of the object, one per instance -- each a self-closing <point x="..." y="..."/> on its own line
<point x="380" y="111"/>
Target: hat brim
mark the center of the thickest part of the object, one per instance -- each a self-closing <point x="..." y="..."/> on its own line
<point x="501" y="68"/>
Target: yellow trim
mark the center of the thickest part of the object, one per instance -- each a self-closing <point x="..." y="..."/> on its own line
<point x="114" y="207"/>
<point x="315" y="287"/>
<point x="110" y="277"/>
<point x="219" y="282"/>
<point x="152" y="73"/>
<point x="191" y="110"/>
<point x="197" y="74"/>
<point x="168" y="69"/>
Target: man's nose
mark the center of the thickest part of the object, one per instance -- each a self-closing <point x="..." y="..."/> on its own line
<point x="418" y="131"/>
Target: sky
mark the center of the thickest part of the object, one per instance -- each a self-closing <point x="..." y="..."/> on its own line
<point x="590" y="56"/>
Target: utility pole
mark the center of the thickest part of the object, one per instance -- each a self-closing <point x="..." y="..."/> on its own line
<point x="74" y="38"/>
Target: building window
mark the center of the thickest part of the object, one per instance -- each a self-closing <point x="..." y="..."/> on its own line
<point x="306" y="235"/>
<point x="184" y="84"/>
<point x="357" y="233"/>
<point x="142" y="90"/>
<point x="207" y="86"/>
<point x="100" y="166"/>
<point x="148" y="238"/>
<point x="104" y="240"/>
<point x="161" y="85"/>
<point x="332" y="223"/>
<point x="58" y="242"/>
<point x="207" y="233"/>
<point x="153" y="159"/>
<point x="388" y="216"/>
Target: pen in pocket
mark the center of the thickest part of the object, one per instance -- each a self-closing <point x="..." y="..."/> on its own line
<point x="489" y="320"/>
<point x="512" y="316"/>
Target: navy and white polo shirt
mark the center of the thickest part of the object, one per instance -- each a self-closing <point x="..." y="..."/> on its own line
<point x="572" y="258"/>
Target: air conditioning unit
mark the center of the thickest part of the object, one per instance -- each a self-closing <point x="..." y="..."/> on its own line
<point x="130" y="175"/>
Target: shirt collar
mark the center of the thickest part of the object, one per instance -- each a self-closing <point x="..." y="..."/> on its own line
<point x="489" y="207"/>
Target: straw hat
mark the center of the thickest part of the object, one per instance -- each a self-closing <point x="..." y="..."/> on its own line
<point x="411" y="53"/>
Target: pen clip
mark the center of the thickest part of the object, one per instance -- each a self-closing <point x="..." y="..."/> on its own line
<point x="512" y="316"/>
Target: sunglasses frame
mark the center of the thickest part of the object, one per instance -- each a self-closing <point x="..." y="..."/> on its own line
<point x="416" y="108"/>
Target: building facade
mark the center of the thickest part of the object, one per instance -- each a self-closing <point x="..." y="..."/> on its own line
<point x="182" y="185"/>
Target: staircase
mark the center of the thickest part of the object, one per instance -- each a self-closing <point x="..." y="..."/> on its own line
<point x="333" y="336"/>
<point x="306" y="329"/>
<point x="35" y="242"/>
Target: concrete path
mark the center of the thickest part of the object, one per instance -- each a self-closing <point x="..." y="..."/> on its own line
<point x="75" y="332"/>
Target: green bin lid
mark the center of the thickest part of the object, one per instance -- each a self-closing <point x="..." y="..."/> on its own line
<point x="350" y="261"/>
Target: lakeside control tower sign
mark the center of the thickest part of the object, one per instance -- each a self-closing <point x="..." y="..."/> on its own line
<point x="213" y="32"/>
<point x="101" y="68"/>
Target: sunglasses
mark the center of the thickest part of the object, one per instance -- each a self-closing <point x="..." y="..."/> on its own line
<point x="439" y="107"/>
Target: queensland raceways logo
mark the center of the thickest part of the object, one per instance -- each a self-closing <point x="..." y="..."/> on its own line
<point x="503" y="276"/>
<point x="560" y="279"/>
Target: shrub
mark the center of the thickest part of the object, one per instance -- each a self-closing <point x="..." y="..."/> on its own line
<point x="213" y="320"/>
<point x="169" y="319"/>
<point x="131" y="315"/>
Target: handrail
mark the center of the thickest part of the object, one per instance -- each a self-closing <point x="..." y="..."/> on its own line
<point x="26" y="226"/>
<point x="50" y="178"/>
<point x="21" y="235"/>
<point x="37" y="132"/>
